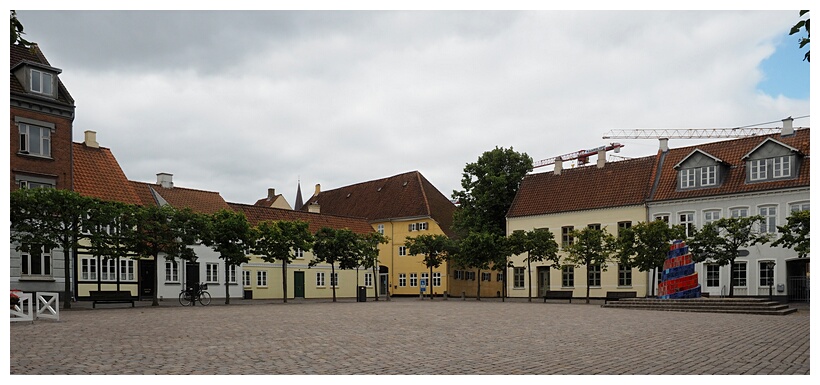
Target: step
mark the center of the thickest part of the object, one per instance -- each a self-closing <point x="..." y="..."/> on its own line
<point x="712" y="305"/>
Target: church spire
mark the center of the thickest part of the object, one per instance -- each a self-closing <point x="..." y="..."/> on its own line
<point x="298" y="205"/>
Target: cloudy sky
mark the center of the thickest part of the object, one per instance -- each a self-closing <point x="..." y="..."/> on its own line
<point x="242" y="101"/>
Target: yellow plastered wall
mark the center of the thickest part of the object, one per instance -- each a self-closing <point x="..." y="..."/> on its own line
<point x="397" y="232"/>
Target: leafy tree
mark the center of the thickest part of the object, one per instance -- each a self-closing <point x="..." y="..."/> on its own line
<point x="333" y="246"/>
<point x="803" y="40"/>
<point x="45" y="219"/>
<point x="591" y="247"/>
<point x="433" y="247"/>
<point x="490" y="185"/>
<point x="539" y="244"/>
<point x="164" y="229"/>
<point x="280" y="241"/>
<point x="795" y="233"/>
<point x="17" y="31"/>
<point x="479" y="250"/>
<point x="646" y="245"/>
<point x="719" y="241"/>
<point x="230" y="234"/>
<point x="369" y="252"/>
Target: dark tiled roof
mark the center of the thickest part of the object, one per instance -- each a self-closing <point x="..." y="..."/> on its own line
<point x="731" y="152"/>
<point x="97" y="174"/>
<point x="266" y="202"/>
<point x="256" y="214"/>
<point x="204" y="202"/>
<point x="401" y="196"/>
<point x="19" y="54"/>
<point x="624" y="183"/>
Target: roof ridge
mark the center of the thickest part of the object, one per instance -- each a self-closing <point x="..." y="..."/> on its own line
<point x="181" y="188"/>
<point x="424" y="194"/>
<point x="368" y="181"/>
<point x="294" y="211"/>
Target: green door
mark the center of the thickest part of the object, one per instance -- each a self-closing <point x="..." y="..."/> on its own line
<point x="299" y="284"/>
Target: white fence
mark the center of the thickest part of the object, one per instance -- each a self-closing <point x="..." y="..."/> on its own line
<point x="47" y="307"/>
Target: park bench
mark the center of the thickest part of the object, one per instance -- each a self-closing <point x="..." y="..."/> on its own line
<point x="616" y="295"/>
<point x="558" y="294"/>
<point x="118" y="296"/>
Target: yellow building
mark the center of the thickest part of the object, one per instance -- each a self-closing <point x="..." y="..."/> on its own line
<point x="609" y="196"/>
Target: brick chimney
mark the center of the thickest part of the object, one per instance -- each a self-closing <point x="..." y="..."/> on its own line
<point x="165" y="180"/>
<point x="271" y="194"/>
<point x="91" y="139"/>
<point x="601" y="158"/>
<point x="559" y="166"/>
<point x="788" y="128"/>
<point x="318" y="189"/>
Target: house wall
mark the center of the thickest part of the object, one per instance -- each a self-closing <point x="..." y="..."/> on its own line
<point x="608" y="218"/>
<point x="397" y="232"/>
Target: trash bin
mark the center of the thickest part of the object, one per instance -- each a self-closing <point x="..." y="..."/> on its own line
<point x="362" y="294"/>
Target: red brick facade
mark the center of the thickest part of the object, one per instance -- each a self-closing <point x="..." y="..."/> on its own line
<point x="58" y="167"/>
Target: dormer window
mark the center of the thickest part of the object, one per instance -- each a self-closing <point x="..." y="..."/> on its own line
<point x="708" y="176"/>
<point x="687" y="178"/>
<point x="699" y="170"/>
<point x="781" y="167"/>
<point x="772" y="160"/>
<point x="42" y="82"/>
<point x="758" y="169"/>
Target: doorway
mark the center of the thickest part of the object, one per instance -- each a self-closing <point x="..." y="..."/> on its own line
<point x="146" y="283"/>
<point x="298" y="284"/>
<point x="543" y="274"/>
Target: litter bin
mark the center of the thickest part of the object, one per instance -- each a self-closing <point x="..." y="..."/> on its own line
<point x="361" y="294"/>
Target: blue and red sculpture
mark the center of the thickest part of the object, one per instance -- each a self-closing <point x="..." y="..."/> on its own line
<point x="679" y="279"/>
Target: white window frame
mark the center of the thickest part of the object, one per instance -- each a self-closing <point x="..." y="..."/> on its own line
<point x="88" y="269"/>
<point x="798" y="206"/>
<point x="710" y="216"/>
<point x="781" y="167"/>
<point x="421" y="226"/>
<point x="436" y="279"/>
<point x="320" y="279"/>
<point x="402" y="251"/>
<point x="738" y="212"/>
<point x="624" y="276"/>
<point x="27" y="268"/>
<point x="402" y="280"/>
<point x="708" y="175"/>
<point x="769" y="214"/>
<point x="757" y="169"/>
<point x="687" y="177"/>
<point x="108" y="270"/>
<point x="380" y="228"/>
<point x="128" y="270"/>
<point x="212" y="272"/>
<point x="414" y="280"/>
<point x="687" y="219"/>
<point x="246" y="278"/>
<point x="567" y="276"/>
<point x="411" y="227"/>
<point x="763" y="272"/>
<point x="594" y="276"/>
<point x="741" y="266"/>
<point x="518" y="277"/>
<point x="662" y="216"/>
<point x="231" y="273"/>
<point x="44" y="144"/>
<point x="486" y="276"/>
<point x="299" y="254"/>
<point x="334" y="279"/>
<point x="712" y="274"/>
<point x="368" y="279"/>
<point x="171" y="271"/>
<point x="46" y="87"/>
<point x="261" y="278"/>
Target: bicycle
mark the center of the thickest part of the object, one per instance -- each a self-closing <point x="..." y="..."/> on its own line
<point x="190" y="297"/>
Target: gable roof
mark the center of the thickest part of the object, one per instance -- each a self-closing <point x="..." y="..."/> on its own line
<point x="97" y="174"/>
<point x="200" y="201"/>
<point x="256" y="214"/>
<point x="767" y="141"/>
<point x="734" y="179"/>
<point x="697" y="151"/>
<point x="623" y="183"/>
<point x="404" y="195"/>
<point x="21" y="55"/>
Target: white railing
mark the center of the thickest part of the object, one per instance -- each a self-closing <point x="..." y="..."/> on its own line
<point x="48" y="307"/>
<point x="23" y="310"/>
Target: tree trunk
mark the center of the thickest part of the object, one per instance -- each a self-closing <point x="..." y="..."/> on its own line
<point x="285" y="281"/>
<point x="430" y="283"/>
<point x="155" y="300"/>
<point x="731" y="284"/>
<point x="588" y="276"/>
<point x="529" y="274"/>
<point x="478" y="291"/>
<point x="67" y="269"/>
<point x="375" y="284"/>
<point x="332" y="281"/>
<point x="227" y="286"/>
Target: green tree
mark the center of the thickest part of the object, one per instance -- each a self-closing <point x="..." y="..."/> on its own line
<point x="803" y="40"/>
<point x="539" y="244"/>
<point x="230" y="234"/>
<point x="479" y="250"/>
<point x="369" y="252"/>
<point x="106" y="227"/>
<point x="719" y="241"/>
<point x="433" y="248"/>
<point x="490" y="185"/>
<point x="17" y="31"/>
<point x="46" y="219"/>
<point x="280" y="241"/>
<point x="591" y="247"/>
<point x="646" y="245"/>
<point x="333" y="246"/>
<point x="795" y="233"/>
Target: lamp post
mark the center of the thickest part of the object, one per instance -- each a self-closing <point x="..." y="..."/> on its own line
<point x="770" y="265"/>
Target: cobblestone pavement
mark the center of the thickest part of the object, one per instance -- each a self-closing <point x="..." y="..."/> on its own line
<point x="406" y="336"/>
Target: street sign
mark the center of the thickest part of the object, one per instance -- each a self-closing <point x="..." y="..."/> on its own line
<point x="423" y="284"/>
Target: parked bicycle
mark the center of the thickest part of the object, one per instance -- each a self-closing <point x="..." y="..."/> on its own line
<point x="189" y="296"/>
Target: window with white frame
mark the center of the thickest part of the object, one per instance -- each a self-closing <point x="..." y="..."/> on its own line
<point x="25" y="183"/>
<point x="470" y="275"/>
<point x="769" y="214"/>
<point x="739" y="274"/>
<point x="766" y="269"/>
<point x="246" y="278"/>
<point x="231" y="273"/>
<point x="299" y="254"/>
<point x="320" y="279"/>
<point x="334" y="279"/>
<point x="486" y="276"/>
<point x="594" y="275"/>
<point x="368" y="279"/>
<point x="708" y="176"/>
<point x="35" y="140"/>
<point x="42" y="82"/>
<point x="411" y="227"/>
<point x="261" y="278"/>
<point x="436" y="279"/>
<point x="212" y="272"/>
<point x="402" y="279"/>
<point x="33" y="264"/>
<point x="624" y="275"/>
<point x="402" y="251"/>
<point x="712" y="275"/>
<point x="499" y="277"/>
<point x="128" y="270"/>
<point x="518" y="277"/>
<point x="739" y="212"/>
<point x="687" y="178"/>
<point x="424" y="278"/>
<point x="88" y="268"/>
<point x="568" y="276"/>
<point x="710" y="216"/>
<point x="799" y="206"/>
<point x="414" y="280"/>
<point x="421" y="226"/>
<point x="566" y="235"/>
<point x="688" y="222"/>
<point x="661" y="217"/>
<point x="757" y="169"/>
<point x="623" y="225"/>
<point x="781" y="167"/>
<point x="171" y="271"/>
<point x="380" y="229"/>
<point x="108" y="269"/>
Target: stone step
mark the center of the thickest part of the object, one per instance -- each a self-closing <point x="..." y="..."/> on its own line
<point x="711" y="305"/>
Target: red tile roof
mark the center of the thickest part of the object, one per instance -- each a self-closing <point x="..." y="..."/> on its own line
<point x="400" y="196"/>
<point x="731" y="152"/>
<point x="19" y="54"/>
<point x="623" y="183"/>
<point x="204" y="202"/>
<point x="97" y="174"/>
<point x="256" y="214"/>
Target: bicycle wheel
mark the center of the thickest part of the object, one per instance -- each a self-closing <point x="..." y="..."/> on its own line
<point x="205" y="298"/>
<point x="184" y="299"/>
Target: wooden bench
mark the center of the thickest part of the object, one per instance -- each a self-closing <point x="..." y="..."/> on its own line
<point x="616" y="295"/>
<point x="118" y="296"/>
<point x="558" y="294"/>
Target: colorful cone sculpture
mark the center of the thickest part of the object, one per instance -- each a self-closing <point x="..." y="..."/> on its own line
<point x="679" y="279"/>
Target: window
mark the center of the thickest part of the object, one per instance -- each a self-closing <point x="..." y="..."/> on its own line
<point x="739" y="274"/>
<point x="708" y="176"/>
<point x="486" y="277"/>
<point x="499" y="277"/>
<point x="380" y="229"/>
<point x="320" y="279"/>
<point x="32" y="184"/>
<point x="35" y="140"/>
<point x="42" y="83"/>
<point x="368" y="279"/>
<point x="421" y="226"/>
<point x="568" y="276"/>
<point x="662" y="217"/>
<point x="757" y="169"/>
<point x="231" y="274"/>
<point x="766" y="273"/>
<point x="212" y="273"/>
<point x="712" y="275"/>
<point x="402" y="280"/>
<point x="566" y="236"/>
<point x="33" y="264"/>
<point x="436" y="279"/>
<point x="262" y="278"/>
<point x="246" y="278"/>
<point x="299" y="254"/>
<point x="594" y="276"/>
<point x="624" y="275"/>
<point x="800" y="206"/>
<point x="171" y="271"/>
<point x="411" y="227"/>
<point x="414" y="280"/>
<point x="518" y="277"/>
<point x="739" y="212"/>
<point x="687" y="178"/>
<point x="127" y="267"/>
<point x="402" y="251"/>
<point x="88" y="269"/>
<point x="688" y="222"/>
<point x="108" y="269"/>
<point x="781" y="167"/>
<point x="624" y="225"/>
<point x="471" y="275"/>
<point x="458" y="274"/>
<point x="710" y="216"/>
<point x="769" y="214"/>
<point x="424" y="279"/>
<point x="334" y="279"/>
<point x="594" y="226"/>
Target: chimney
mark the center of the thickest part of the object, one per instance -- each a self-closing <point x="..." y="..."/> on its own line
<point x="165" y="180"/>
<point x="559" y="166"/>
<point x="271" y="194"/>
<point x="788" y="129"/>
<point x="314" y="207"/>
<point x="601" y="158"/>
<point x="664" y="144"/>
<point x="91" y="139"/>
<point x="318" y="189"/>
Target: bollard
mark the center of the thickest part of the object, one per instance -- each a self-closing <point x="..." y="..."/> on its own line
<point x="445" y="294"/>
<point x="463" y="296"/>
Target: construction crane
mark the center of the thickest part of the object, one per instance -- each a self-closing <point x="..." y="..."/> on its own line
<point x="582" y="155"/>
<point x="688" y="133"/>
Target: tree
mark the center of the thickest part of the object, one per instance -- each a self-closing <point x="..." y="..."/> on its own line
<point x="591" y="247"/>
<point x="331" y="246"/>
<point x="719" y="241"/>
<point x="45" y="219"/>
<point x="795" y="233"/>
<point x="803" y="40"/>
<point x="229" y="233"/>
<point x="490" y="185"/>
<point x="646" y="245"/>
<point x="539" y="244"/>
<point x="433" y="247"/>
<point x="479" y="250"/>
<point x="369" y="252"/>
<point x="280" y="241"/>
<point x="17" y="31"/>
